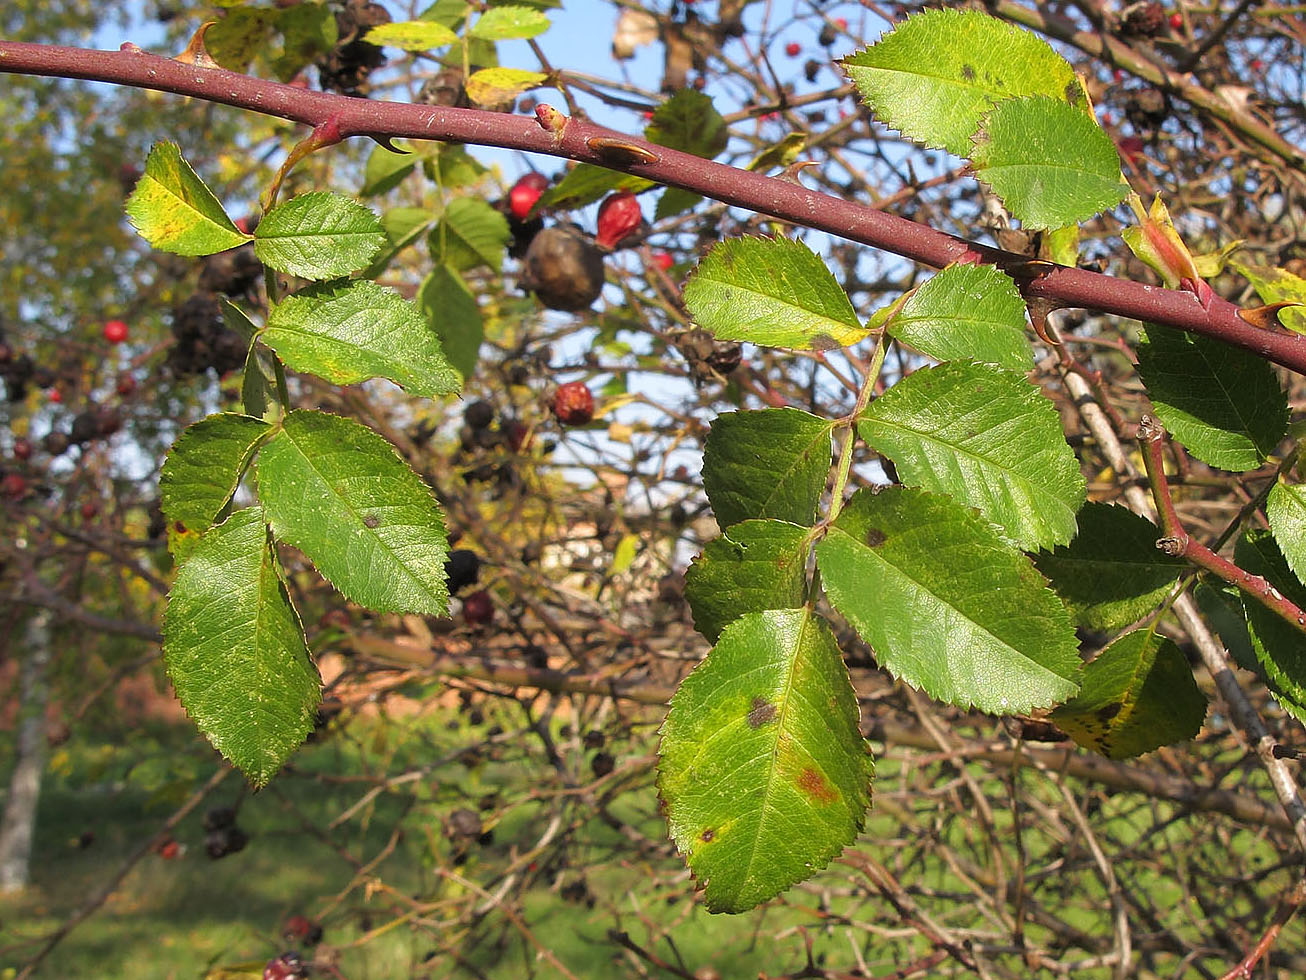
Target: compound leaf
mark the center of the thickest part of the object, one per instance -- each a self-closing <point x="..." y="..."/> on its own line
<point x="947" y="605"/>
<point x="972" y="312"/>
<point x="205" y="465"/>
<point x="1051" y="163"/>
<point x="173" y="210"/>
<point x="770" y="463"/>
<point x="318" y="236"/>
<point x="935" y="75"/>
<point x="1224" y="404"/>
<point x="1280" y="646"/>
<point x="1112" y="573"/>
<point x="356" y="331"/>
<point x="235" y="651"/>
<point x="771" y="291"/>
<point x="754" y="566"/>
<point x="344" y="497"/>
<point x="986" y="437"/>
<point x="1138" y="695"/>
<point x="1286" y="510"/>
<point x="763" y="771"/>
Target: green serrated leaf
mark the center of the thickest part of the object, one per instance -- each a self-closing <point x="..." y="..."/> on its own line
<point x="235" y="651"/>
<point x="509" y="23"/>
<point x="689" y="122"/>
<point x="986" y="437"/>
<point x="412" y="35"/>
<point x="1051" y="163"/>
<point x="174" y="211"/>
<point x="259" y="396"/>
<point x="1280" y="646"/>
<point x="970" y="312"/>
<point x="1224" y="404"/>
<point x="947" y="605"/>
<point x="1275" y="285"/>
<point x="1222" y="605"/>
<point x="470" y="233"/>
<point x="754" y="566"/>
<point x="204" y="467"/>
<point x="1112" y="573"/>
<point x="1138" y="695"/>
<point x="935" y="75"/>
<point x="451" y="310"/>
<point x="318" y="236"/>
<point x="344" y="497"/>
<point x="763" y="771"/>
<point x="356" y="331"/>
<point x="1286" y="510"/>
<point x="767" y="464"/>
<point x="771" y="291"/>
<point x="492" y="86"/>
<point x="585" y="184"/>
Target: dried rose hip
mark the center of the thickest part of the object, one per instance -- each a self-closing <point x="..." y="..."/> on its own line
<point x="573" y="403"/>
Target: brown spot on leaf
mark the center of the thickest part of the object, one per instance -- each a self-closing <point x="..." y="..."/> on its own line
<point x="968" y="72"/>
<point x="763" y="711"/>
<point x="1108" y="711"/>
<point x="823" y="342"/>
<point x="707" y="836"/>
<point x="875" y="537"/>
<point x="813" y="784"/>
<point x="371" y="520"/>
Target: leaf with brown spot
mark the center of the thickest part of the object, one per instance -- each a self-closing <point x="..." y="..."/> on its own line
<point x="775" y="765"/>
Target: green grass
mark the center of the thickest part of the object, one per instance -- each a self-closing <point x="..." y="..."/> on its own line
<point x="182" y="919"/>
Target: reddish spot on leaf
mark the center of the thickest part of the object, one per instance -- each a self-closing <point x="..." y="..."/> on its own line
<point x="763" y="711"/>
<point x="823" y="342"/>
<point x="707" y="835"/>
<point x="814" y="785"/>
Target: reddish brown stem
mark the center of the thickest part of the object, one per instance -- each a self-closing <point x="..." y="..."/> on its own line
<point x="584" y="141"/>
<point x="1288" y="907"/>
<point x="1151" y="437"/>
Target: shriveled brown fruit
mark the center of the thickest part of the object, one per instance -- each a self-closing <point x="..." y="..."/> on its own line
<point x="564" y="268"/>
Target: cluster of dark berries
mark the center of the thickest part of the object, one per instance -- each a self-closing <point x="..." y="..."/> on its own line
<point x="235" y="272"/>
<point x="346" y="67"/>
<point x="222" y="836"/>
<point x="203" y="340"/>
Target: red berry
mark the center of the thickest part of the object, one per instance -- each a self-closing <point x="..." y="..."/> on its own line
<point x="663" y="260"/>
<point x="115" y="331"/>
<point x="287" y="966"/>
<point x="793" y="49"/>
<point x="22" y="449"/>
<point x="55" y="395"/>
<point x="1176" y="21"/>
<point x="619" y="215"/>
<point x="302" y="929"/>
<point x="573" y="403"/>
<point x="841" y="23"/>
<point x="126" y="385"/>
<point x="170" y="850"/>
<point x="89" y="509"/>
<point x="13" y="486"/>
<point x="525" y="193"/>
<point x="478" y="608"/>
<point x="516" y="434"/>
<point x="1256" y="64"/>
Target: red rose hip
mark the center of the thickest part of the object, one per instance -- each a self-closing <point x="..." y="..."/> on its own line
<point x="478" y="608"/>
<point x="525" y="193"/>
<point x="619" y="215"/>
<point x="793" y="49"/>
<point x="573" y="403"/>
<point x="115" y="331"/>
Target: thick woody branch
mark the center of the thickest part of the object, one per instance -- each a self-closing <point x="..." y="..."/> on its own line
<point x="588" y="143"/>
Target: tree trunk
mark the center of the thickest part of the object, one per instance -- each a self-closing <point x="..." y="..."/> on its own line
<point x="19" y="822"/>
